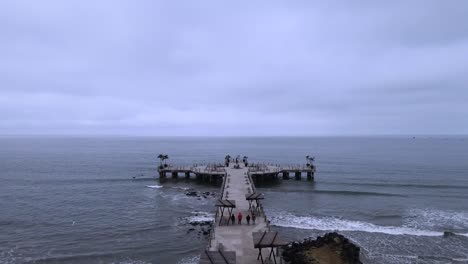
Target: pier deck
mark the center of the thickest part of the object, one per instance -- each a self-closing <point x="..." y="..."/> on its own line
<point x="257" y="172"/>
<point x="239" y="238"/>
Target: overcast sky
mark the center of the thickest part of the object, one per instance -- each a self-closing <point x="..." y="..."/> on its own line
<point x="233" y="67"/>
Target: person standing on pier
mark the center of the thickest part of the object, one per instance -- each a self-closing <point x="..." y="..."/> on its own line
<point x="253" y="218"/>
<point x="248" y="219"/>
<point x="233" y="219"/>
<point x="239" y="217"/>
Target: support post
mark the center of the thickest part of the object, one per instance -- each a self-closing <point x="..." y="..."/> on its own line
<point x="298" y="175"/>
<point x="285" y="175"/>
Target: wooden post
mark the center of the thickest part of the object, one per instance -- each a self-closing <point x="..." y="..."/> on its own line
<point x="175" y="174"/>
<point x="285" y="175"/>
<point x="298" y="175"/>
<point x="309" y="175"/>
<point x="187" y="174"/>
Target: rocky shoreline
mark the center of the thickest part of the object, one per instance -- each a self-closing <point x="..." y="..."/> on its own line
<point x="204" y="228"/>
<point x="332" y="248"/>
<point x="199" y="195"/>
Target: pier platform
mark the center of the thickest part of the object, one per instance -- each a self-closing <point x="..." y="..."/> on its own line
<point x="258" y="172"/>
<point x="239" y="188"/>
<point x="230" y="242"/>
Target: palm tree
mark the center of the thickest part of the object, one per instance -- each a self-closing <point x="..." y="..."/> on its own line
<point x="244" y="160"/>
<point x="161" y="159"/>
<point x="227" y="159"/>
<point x="309" y="159"/>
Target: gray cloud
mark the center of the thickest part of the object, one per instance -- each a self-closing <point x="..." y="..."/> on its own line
<point x="243" y="68"/>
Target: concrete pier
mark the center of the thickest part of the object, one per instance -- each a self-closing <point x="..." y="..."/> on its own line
<point x="232" y="242"/>
<point x="239" y="238"/>
<point x="213" y="173"/>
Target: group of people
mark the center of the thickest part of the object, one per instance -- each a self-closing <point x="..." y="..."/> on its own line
<point x="240" y="217"/>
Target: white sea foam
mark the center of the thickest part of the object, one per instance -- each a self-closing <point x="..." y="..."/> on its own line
<point x="436" y="219"/>
<point x="330" y="224"/>
<point x="182" y="188"/>
<point x="199" y="217"/>
<point x="154" y="186"/>
<point x="190" y="260"/>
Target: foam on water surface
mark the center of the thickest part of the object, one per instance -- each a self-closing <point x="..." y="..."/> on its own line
<point x="330" y="223"/>
<point x="190" y="260"/>
<point x="199" y="217"/>
<point x="154" y="186"/>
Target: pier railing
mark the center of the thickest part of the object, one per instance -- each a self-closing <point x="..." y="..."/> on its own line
<point x="273" y="168"/>
<point x="212" y="234"/>
<point x="179" y="167"/>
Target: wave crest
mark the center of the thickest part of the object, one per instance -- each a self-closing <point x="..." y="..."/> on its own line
<point x="330" y="223"/>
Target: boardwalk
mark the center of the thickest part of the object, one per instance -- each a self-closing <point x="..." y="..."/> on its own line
<point x="236" y="237"/>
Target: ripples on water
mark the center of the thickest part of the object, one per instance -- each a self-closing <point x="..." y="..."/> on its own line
<point x="74" y="200"/>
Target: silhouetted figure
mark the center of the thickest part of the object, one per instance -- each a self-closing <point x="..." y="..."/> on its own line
<point x="248" y="219"/>
<point x="253" y="218"/>
<point x="233" y="219"/>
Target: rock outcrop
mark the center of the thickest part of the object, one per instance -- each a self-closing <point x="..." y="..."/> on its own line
<point x="332" y="248"/>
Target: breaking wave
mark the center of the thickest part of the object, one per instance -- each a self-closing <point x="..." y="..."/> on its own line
<point x="436" y="219"/>
<point x="330" y="223"/>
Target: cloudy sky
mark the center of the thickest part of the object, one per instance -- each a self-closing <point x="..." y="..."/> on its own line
<point x="233" y="67"/>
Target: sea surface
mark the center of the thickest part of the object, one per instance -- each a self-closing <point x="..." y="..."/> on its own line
<point x="98" y="199"/>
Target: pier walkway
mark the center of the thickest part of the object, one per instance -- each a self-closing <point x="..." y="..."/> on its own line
<point x="239" y="238"/>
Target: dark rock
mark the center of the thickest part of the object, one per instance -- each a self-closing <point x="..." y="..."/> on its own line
<point x="191" y="193"/>
<point x="448" y="234"/>
<point x="339" y="246"/>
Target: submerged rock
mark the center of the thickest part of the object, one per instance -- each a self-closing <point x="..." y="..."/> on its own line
<point x="448" y="234"/>
<point x="332" y="248"/>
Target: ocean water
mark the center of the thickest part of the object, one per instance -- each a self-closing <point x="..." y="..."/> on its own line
<point x="75" y="199"/>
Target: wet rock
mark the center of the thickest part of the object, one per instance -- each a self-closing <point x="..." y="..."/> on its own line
<point x="331" y="248"/>
<point x="448" y="234"/>
<point x="191" y="193"/>
<point x="206" y="223"/>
